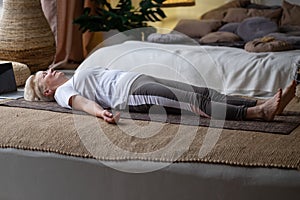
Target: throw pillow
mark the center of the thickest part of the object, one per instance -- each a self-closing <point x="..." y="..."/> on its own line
<point x="256" y="27"/>
<point x="267" y="44"/>
<point x="230" y="27"/>
<point x="236" y="15"/>
<point x="289" y="28"/>
<point x="220" y="37"/>
<point x="273" y="14"/>
<point x="169" y="38"/>
<point x="290" y="14"/>
<point x="220" y="12"/>
<point x="292" y="38"/>
<point x="197" y="28"/>
<point x="240" y="14"/>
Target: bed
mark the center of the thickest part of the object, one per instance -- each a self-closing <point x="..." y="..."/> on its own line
<point x="229" y="70"/>
<point x="57" y="155"/>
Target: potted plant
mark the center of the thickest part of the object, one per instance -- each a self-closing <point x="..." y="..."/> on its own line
<point x="123" y="17"/>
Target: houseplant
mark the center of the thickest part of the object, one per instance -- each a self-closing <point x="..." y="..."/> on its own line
<point x="123" y="17"/>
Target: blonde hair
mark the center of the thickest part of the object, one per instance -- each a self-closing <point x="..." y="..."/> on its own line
<point x="33" y="91"/>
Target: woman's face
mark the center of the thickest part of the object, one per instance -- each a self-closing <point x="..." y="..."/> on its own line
<point x="51" y="79"/>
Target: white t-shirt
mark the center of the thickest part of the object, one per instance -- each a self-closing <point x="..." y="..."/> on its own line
<point x="109" y="88"/>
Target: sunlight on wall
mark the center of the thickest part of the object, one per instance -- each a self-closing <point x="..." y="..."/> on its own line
<point x="173" y="16"/>
<point x="194" y="12"/>
<point x="190" y="12"/>
<point x="177" y="13"/>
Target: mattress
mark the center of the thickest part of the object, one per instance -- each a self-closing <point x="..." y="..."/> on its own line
<point x="39" y="175"/>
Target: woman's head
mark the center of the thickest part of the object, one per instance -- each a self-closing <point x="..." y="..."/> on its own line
<point x="42" y="85"/>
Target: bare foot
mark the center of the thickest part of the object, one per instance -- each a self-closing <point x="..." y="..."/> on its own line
<point x="266" y="110"/>
<point x="287" y="96"/>
<point x="271" y="106"/>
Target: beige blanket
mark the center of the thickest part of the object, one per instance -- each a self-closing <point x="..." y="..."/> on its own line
<point x="86" y="136"/>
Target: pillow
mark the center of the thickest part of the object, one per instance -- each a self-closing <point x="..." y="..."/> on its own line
<point x="273" y="14"/>
<point x="256" y="27"/>
<point x="230" y="27"/>
<point x="21" y="71"/>
<point x="239" y="14"/>
<point x="289" y="28"/>
<point x="220" y="12"/>
<point x="169" y="38"/>
<point x="290" y="14"/>
<point x="220" y="37"/>
<point x="291" y="38"/>
<point x="236" y="15"/>
<point x="261" y="6"/>
<point x="267" y="44"/>
<point x="197" y="28"/>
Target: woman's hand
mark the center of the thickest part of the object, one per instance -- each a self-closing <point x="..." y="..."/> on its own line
<point x="81" y="103"/>
<point x="109" y="117"/>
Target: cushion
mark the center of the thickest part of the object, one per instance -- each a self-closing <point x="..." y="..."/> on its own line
<point x="197" y="28"/>
<point x="290" y="14"/>
<point x="262" y="6"/>
<point x="236" y="15"/>
<point x="230" y="27"/>
<point x="220" y="37"/>
<point x="169" y="38"/>
<point x="256" y="27"/>
<point x="220" y="12"/>
<point x="273" y="14"/>
<point x="21" y="71"/>
<point x="291" y="38"/>
<point x="267" y="44"/>
<point x="239" y="14"/>
<point x="289" y="28"/>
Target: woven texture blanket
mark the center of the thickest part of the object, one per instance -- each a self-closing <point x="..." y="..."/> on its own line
<point x="89" y="137"/>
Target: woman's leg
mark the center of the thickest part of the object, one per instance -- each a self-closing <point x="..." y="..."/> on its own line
<point x="209" y="93"/>
<point x="287" y="95"/>
<point x="267" y="110"/>
<point x="177" y="95"/>
<point x="148" y="93"/>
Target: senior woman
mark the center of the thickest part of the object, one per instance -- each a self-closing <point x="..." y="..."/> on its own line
<point x="97" y="89"/>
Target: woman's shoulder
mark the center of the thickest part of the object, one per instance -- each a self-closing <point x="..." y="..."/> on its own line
<point x="90" y="68"/>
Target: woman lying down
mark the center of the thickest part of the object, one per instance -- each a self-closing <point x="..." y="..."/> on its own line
<point x="95" y="90"/>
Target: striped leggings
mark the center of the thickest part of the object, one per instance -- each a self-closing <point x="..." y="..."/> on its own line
<point x="175" y="97"/>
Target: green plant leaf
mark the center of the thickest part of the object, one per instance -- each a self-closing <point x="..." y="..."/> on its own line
<point x="123" y="17"/>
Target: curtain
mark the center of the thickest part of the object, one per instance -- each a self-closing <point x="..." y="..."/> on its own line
<point x="70" y="42"/>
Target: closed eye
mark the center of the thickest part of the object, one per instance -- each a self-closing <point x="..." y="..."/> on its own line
<point x="44" y="74"/>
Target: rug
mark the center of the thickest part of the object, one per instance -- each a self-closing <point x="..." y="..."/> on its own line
<point x="88" y="137"/>
<point x="283" y="124"/>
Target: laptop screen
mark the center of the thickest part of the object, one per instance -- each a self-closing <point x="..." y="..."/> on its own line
<point x="7" y="78"/>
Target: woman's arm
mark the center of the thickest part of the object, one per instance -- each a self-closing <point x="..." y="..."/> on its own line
<point x="81" y="103"/>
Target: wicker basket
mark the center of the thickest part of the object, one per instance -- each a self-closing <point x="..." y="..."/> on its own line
<point x="25" y="35"/>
